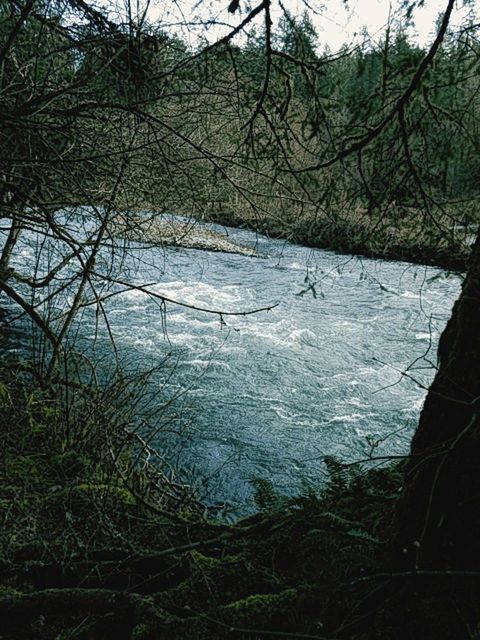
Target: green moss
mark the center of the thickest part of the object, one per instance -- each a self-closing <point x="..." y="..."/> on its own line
<point x="120" y="495"/>
<point x="70" y="465"/>
<point x="141" y="631"/>
<point x="260" y="610"/>
<point x="29" y="468"/>
<point x="5" y="398"/>
<point x="214" y="581"/>
<point x="9" y="592"/>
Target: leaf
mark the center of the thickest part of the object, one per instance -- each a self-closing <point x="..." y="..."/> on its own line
<point x="265" y="496"/>
<point x="4" y="394"/>
<point x="362" y="535"/>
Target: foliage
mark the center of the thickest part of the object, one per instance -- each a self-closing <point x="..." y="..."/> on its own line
<point x="77" y="531"/>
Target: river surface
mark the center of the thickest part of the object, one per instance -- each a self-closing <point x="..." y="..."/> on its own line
<point x="269" y="395"/>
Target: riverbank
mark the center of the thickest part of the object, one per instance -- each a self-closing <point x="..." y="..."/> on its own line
<point x="95" y="545"/>
<point x="165" y="230"/>
<point x="442" y="238"/>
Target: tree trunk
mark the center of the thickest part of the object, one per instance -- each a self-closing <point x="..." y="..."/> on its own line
<point x="438" y="524"/>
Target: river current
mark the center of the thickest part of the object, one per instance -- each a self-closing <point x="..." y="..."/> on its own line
<point x="269" y="395"/>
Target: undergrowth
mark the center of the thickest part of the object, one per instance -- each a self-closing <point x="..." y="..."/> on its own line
<point x="93" y="546"/>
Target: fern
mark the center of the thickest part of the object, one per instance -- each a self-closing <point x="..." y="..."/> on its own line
<point x="4" y="395"/>
<point x="265" y="496"/>
<point x="338" y="521"/>
<point x="362" y="535"/>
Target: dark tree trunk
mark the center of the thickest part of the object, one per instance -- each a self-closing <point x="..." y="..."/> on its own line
<point x="439" y="515"/>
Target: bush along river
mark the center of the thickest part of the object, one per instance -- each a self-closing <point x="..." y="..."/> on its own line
<point x="338" y="367"/>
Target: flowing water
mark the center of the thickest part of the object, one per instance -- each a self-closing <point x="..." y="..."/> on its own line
<point x="270" y="394"/>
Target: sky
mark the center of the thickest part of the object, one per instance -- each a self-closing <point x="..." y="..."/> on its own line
<point x="337" y="22"/>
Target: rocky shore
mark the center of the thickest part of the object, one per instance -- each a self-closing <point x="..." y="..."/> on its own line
<point x="162" y="230"/>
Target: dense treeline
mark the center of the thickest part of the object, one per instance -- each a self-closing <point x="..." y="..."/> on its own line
<point x="265" y="133"/>
<point x="413" y="183"/>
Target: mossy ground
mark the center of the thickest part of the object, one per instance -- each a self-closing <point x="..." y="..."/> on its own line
<point x="90" y="548"/>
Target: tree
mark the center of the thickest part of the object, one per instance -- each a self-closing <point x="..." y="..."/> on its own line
<point x="94" y="126"/>
<point x="439" y="520"/>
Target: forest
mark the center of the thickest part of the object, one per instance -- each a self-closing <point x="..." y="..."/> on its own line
<point x="127" y="148"/>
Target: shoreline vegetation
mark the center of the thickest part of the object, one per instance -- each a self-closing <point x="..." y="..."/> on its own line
<point x="93" y="545"/>
<point x="397" y="234"/>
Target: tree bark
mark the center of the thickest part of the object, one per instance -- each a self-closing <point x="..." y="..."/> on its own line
<point x="439" y="515"/>
<point x="438" y="520"/>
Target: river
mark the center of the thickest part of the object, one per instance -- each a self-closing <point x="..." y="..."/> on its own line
<point x="269" y="395"/>
<point x="272" y="393"/>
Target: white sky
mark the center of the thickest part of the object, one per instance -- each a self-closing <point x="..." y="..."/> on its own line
<point x="337" y="22"/>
